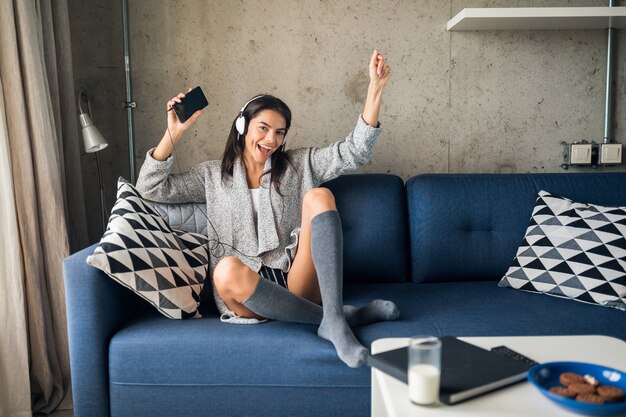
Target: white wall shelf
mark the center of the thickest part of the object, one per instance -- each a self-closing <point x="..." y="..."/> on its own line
<point x="539" y="18"/>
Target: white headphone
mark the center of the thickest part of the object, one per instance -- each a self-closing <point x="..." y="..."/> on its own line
<point x="240" y="123"/>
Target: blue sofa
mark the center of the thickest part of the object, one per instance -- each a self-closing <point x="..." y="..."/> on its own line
<point x="436" y="245"/>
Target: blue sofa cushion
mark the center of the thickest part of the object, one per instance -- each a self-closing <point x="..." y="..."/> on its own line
<point x="139" y="250"/>
<point x="276" y="354"/>
<point x="209" y="352"/>
<point x="375" y="231"/>
<point x="273" y="366"/>
<point x="573" y="250"/>
<point x="481" y="308"/>
<point x="469" y="226"/>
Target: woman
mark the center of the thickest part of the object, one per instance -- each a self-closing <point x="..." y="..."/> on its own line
<point x="276" y="238"/>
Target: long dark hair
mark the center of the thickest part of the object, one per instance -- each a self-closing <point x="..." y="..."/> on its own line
<point x="234" y="146"/>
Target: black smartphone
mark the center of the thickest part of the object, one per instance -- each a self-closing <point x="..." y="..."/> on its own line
<point x="193" y="101"/>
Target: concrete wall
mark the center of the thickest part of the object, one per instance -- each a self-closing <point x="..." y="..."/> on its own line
<point x="96" y="35"/>
<point x="457" y="101"/>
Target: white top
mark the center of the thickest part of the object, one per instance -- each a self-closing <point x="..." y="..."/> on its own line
<point x="254" y="192"/>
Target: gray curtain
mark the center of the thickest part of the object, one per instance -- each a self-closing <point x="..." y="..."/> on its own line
<point x="38" y="124"/>
<point x="15" y="397"/>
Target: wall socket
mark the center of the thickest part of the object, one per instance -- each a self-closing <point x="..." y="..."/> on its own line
<point x="591" y="154"/>
<point x="611" y="153"/>
<point x="580" y="154"/>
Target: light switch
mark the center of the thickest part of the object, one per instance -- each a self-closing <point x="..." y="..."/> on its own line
<point x="611" y="153"/>
<point x="580" y="153"/>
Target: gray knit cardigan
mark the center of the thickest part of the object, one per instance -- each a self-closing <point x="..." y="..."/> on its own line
<point x="270" y="240"/>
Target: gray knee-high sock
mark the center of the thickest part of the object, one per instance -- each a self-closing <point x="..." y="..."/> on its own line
<point x="374" y="311"/>
<point x="327" y="253"/>
<point x="272" y="301"/>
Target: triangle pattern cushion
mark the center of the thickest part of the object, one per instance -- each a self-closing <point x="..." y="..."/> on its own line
<point x="139" y="250"/>
<point x="573" y="250"/>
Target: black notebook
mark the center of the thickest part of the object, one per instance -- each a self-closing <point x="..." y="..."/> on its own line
<point x="466" y="370"/>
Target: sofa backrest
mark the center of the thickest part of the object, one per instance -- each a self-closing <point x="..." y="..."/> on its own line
<point x="375" y="230"/>
<point x="373" y="215"/>
<point x="467" y="227"/>
<point x="190" y="217"/>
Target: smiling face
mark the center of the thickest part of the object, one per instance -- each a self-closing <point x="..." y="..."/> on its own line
<point x="266" y="132"/>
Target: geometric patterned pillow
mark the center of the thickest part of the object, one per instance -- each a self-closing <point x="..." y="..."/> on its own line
<point x="139" y="250"/>
<point x="573" y="250"/>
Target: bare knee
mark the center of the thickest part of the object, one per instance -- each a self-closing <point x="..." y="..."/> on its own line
<point x="318" y="200"/>
<point x="234" y="280"/>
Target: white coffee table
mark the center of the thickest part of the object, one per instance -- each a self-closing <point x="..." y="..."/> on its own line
<point x="390" y="397"/>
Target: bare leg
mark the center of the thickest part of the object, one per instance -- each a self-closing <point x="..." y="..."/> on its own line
<point x="302" y="278"/>
<point x="235" y="282"/>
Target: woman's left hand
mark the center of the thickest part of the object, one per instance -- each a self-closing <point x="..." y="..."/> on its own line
<point x="379" y="75"/>
<point x="379" y="70"/>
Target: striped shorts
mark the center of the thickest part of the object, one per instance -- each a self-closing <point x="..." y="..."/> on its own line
<point x="274" y="275"/>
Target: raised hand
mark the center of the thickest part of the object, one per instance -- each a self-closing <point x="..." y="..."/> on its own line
<point x="175" y="127"/>
<point x="379" y="75"/>
<point x="174" y="131"/>
<point x="379" y="70"/>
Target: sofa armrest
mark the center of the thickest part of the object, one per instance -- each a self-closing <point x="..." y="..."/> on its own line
<point x="96" y="307"/>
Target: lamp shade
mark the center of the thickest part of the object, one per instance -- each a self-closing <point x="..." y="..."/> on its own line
<point x="92" y="138"/>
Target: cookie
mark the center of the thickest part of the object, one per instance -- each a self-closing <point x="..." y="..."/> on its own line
<point x="563" y="391"/>
<point x="590" y="398"/>
<point x="609" y="393"/>
<point x="582" y="388"/>
<point x="569" y="378"/>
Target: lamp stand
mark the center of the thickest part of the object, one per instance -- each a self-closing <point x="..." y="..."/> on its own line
<point x="103" y="213"/>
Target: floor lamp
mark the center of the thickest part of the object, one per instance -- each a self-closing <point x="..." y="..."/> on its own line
<point x="93" y="142"/>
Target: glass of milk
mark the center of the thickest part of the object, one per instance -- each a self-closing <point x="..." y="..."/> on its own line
<point x="424" y="370"/>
